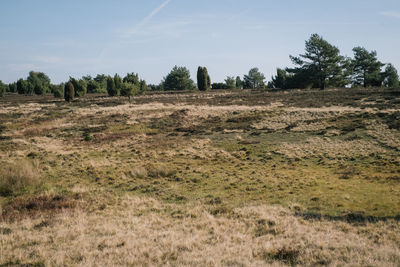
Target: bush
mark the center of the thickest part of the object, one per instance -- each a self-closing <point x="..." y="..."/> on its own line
<point x="69" y="92"/>
<point x="80" y="87"/>
<point x="58" y="91"/>
<point x="111" y="88"/>
<point x="17" y="177"/>
<point x="2" y="89"/>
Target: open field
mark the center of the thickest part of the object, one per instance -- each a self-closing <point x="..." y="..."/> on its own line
<point x="242" y="178"/>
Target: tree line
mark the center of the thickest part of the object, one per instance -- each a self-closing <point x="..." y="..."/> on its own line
<point x="321" y="66"/>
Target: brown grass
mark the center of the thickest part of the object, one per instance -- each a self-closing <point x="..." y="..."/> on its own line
<point x="145" y="232"/>
<point x="18" y="176"/>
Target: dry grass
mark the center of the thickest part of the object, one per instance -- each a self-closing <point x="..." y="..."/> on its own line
<point x="145" y="232"/>
<point x="242" y="178"/>
<point x="18" y="176"/>
<point x="327" y="147"/>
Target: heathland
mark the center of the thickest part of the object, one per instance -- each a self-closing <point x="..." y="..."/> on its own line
<point x="221" y="178"/>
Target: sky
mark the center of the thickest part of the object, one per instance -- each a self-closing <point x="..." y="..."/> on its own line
<point x="77" y="38"/>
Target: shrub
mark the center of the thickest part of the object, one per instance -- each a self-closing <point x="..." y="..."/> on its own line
<point x="17" y="177"/>
<point x="111" y="88"/>
<point x="69" y="92"/>
<point x="58" y="91"/>
<point x="2" y="89"/>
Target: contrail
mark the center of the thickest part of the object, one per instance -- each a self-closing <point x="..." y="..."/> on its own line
<point x="137" y="27"/>
<point x="148" y="17"/>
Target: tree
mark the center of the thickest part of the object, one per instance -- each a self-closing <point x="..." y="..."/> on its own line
<point x="142" y="87"/>
<point x="238" y="83"/>
<point x="391" y="77"/>
<point x="216" y="86"/>
<point x="39" y="81"/>
<point x="111" y="89"/>
<point x="203" y="79"/>
<point x="57" y="90"/>
<point x="129" y="89"/>
<point x="69" y="91"/>
<point x="101" y="79"/>
<point x="118" y="83"/>
<point x="280" y="80"/>
<point x="254" y="79"/>
<point x="201" y="82"/>
<point x="2" y="89"/>
<point x="12" y="87"/>
<point x="208" y="83"/>
<point x="80" y="87"/>
<point x="367" y="68"/>
<point x="23" y="87"/>
<point x="178" y="79"/>
<point x="321" y="62"/>
<point x="230" y="82"/>
<point x="132" y="78"/>
<point x="93" y="87"/>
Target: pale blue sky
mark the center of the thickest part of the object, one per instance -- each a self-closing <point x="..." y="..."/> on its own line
<point x="77" y="37"/>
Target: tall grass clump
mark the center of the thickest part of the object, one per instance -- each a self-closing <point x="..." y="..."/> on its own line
<point x="17" y="177"/>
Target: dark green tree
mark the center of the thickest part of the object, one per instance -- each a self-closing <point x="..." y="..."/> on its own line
<point x="178" y="79"/>
<point x="111" y="89"/>
<point x="69" y="91"/>
<point x="39" y="81"/>
<point x="101" y="79"/>
<point x="129" y="89"/>
<point x="230" y="82"/>
<point x="23" y="87"/>
<point x="391" y="76"/>
<point x="254" y="79"/>
<point x="142" y="87"/>
<point x="208" y="79"/>
<point x="367" y="68"/>
<point x="12" y="87"/>
<point x="2" y="89"/>
<point x="239" y="83"/>
<point x="87" y="78"/>
<point x="218" y="86"/>
<point x="321" y="62"/>
<point x="132" y="78"/>
<point x="93" y="87"/>
<point x="280" y="80"/>
<point x="203" y="79"/>
<point x="57" y="90"/>
<point x="201" y="82"/>
<point x="80" y="87"/>
<point x="117" y="82"/>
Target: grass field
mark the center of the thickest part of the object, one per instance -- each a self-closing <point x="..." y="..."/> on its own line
<point x="241" y="178"/>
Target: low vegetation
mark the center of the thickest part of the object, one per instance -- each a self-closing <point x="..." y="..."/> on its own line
<point x="243" y="178"/>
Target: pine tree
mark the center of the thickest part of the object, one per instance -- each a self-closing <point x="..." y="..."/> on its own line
<point x="367" y="68"/>
<point x="207" y="79"/>
<point x="69" y="91"/>
<point x="178" y="79"/>
<point x="321" y="62"/>
<point x="203" y="79"/>
<point x="200" y="79"/>
<point x="142" y="87"/>
<point x="239" y="83"/>
<point x="111" y="90"/>
<point x="391" y="76"/>
<point x="2" y="89"/>
<point x="118" y="83"/>
<point x="254" y="79"/>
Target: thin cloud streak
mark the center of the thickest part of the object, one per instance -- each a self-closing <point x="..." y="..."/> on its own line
<point x="391" y="14"/>
<point x="147" y="19"/>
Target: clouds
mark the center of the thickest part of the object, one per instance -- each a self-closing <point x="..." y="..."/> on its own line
<point x="390" y="14"/>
